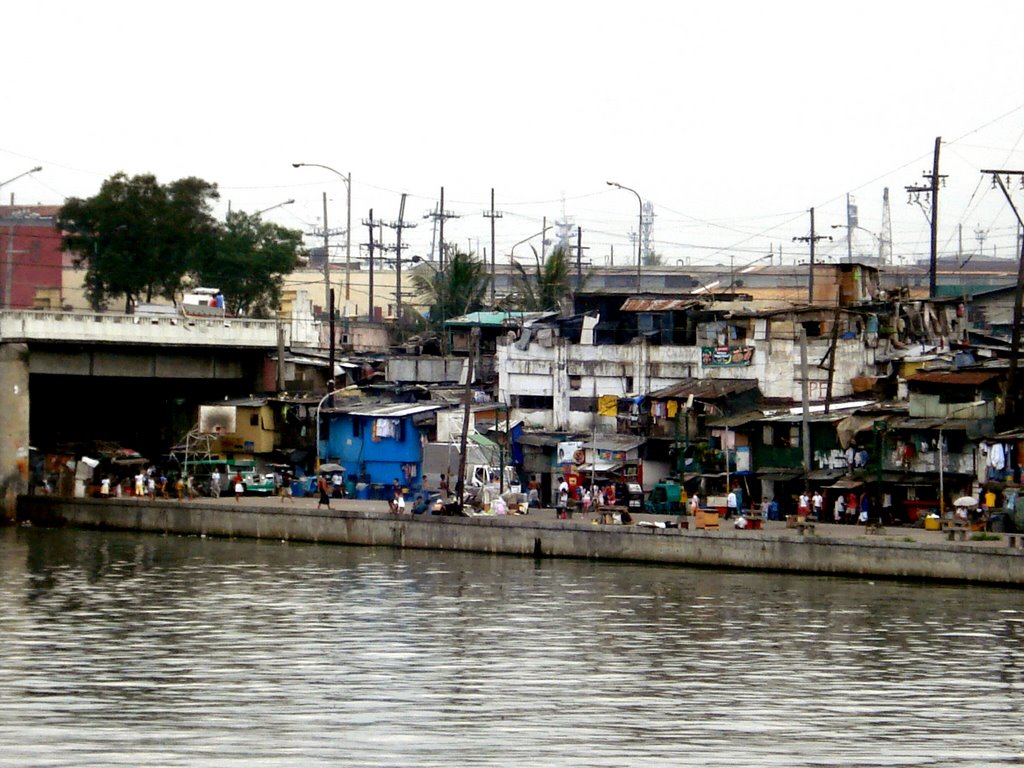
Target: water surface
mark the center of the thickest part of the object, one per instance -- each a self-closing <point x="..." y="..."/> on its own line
<point x="131" y="649"/>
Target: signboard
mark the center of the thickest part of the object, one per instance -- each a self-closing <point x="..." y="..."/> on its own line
<point x="217" y="419"/>
<point x="571" y="452"/>
<point x="613" y="456"/>
<point x="717" y="357"/>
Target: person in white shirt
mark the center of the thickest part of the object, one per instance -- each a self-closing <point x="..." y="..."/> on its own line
<point x="215" y="484"/>
<point x="839" y="510"/>
<point x="730" y="504"/>
<point x="817" y="502"/>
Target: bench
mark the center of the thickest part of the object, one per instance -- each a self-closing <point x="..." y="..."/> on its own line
<point x="956" y="530"/>
<point x="1013" y="540"/>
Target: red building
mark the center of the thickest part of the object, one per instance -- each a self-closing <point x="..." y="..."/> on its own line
<point x="31" y="260"/>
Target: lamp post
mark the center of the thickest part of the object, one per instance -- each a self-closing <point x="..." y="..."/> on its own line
<point x="639" y="230"/>
<point x="318" y="407"/>
<point x="26" y="173"/>
<point x="942" y="486"/>
<point x="274" y="207"/>
<point x="512" y="251"/>
<point x="849" y="242"/>
<point x="347" y="178"/>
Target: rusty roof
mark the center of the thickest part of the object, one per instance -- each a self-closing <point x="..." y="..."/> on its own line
<point x="705" y="388"/>
<point x="962" y="378"/>
<point x="658" y="305"/>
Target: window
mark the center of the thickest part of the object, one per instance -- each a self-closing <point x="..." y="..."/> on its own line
<point x="583" y="404"/>
<point x="357" y="427"/>
<point x="533" y="402"/>
<point x="254" y="419"/>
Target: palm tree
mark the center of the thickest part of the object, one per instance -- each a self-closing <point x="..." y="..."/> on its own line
<point x="456" y="291"/>
<point x="544" y="290"/>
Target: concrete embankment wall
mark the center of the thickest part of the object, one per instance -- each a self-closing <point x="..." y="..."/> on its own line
<point x="360" y="524"/>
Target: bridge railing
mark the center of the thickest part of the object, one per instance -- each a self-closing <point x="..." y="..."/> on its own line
<point x="180" y="330"/>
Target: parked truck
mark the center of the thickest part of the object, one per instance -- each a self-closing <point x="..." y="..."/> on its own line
<point x="483" y="468"/>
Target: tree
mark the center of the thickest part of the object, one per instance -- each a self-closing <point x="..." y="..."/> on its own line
<point x="139" y="238"/>
<point x="544" y="290"/>
<point x="456" y="291"/>
<point x="248" y="263"/>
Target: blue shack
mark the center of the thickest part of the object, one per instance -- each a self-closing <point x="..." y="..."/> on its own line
<point x="378" y="443"/>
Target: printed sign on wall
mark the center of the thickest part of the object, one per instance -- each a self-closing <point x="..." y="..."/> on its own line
<point x="723" y="356"/>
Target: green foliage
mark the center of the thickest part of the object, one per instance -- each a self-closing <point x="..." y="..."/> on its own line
<point x="249" y="262"/>
<point x="140" y="239"/>
<point x="653" y="259"/>
<point x="456" y="291"/>
<point x="544" y="289"/>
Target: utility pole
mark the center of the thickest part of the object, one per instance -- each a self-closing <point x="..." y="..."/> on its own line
<point x="1014" y="409"/>
<point x="440" y="216"/>
<point x="398" y="226"/>
<point x="467" y="399"/>
<point x="805" y="425"/>
<point x="370" y="224"/>
<point x="327" y="264"/>
<point x="492" y="215"/>
<point x="851" y="222"/>
<point x="812" y="239"/>
<point x="931" y="191"/>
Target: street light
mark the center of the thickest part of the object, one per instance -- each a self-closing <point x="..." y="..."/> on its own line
<point x="512" y="251"/>
<point x="942" y="486"/>
<point x="347" y="178"/>
<point x="849" y="242"/>
<point x="271" y="208"/>
<point x="318" y="406"/>
<point x="26" y="173"/>
<point x="640" y="227"/>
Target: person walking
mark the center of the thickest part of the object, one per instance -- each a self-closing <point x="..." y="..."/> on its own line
<point x="286" y="487"/>
<point x="215" y="483"/>
<point x="239" y="487"/>
<point x="324" y="488"/>
<point x="839" y="510"/>
<point x="817" y="505"/>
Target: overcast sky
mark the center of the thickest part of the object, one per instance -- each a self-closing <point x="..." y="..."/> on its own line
<point x="731" y="118"/>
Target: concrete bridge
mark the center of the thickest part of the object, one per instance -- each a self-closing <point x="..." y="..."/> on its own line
<point x="91" y="371"/>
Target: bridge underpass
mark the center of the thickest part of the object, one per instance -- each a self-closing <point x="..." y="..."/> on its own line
<point x="68" y="379"/>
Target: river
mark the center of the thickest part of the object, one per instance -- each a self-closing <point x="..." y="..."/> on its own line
<point x="132" y="649"/>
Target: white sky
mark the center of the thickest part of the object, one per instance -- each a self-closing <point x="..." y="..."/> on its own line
<point x="732" y="118"/>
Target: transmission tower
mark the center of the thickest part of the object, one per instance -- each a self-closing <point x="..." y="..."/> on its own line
<point x="647" y="231"/>
<point x="885" y="236"/>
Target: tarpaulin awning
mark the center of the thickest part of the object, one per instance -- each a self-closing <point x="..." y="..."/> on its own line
<point x="847" y="429"/>
<point x="825" y="474"/>
<point x="845" y="483"/>
<point x="779" y="475"/>
<point x="600" y="466"/>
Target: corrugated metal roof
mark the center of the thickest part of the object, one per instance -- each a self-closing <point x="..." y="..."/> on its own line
<point x="658" y="305"/>
<point x="930" y="423"/>
<point x="963" y="378"/>
<point x="541" y="440"/>
<point x="711" y="388"/>
<point x="735" y="420"/>
<point x="393" y="411"/>
<point x="616" y="442"/>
